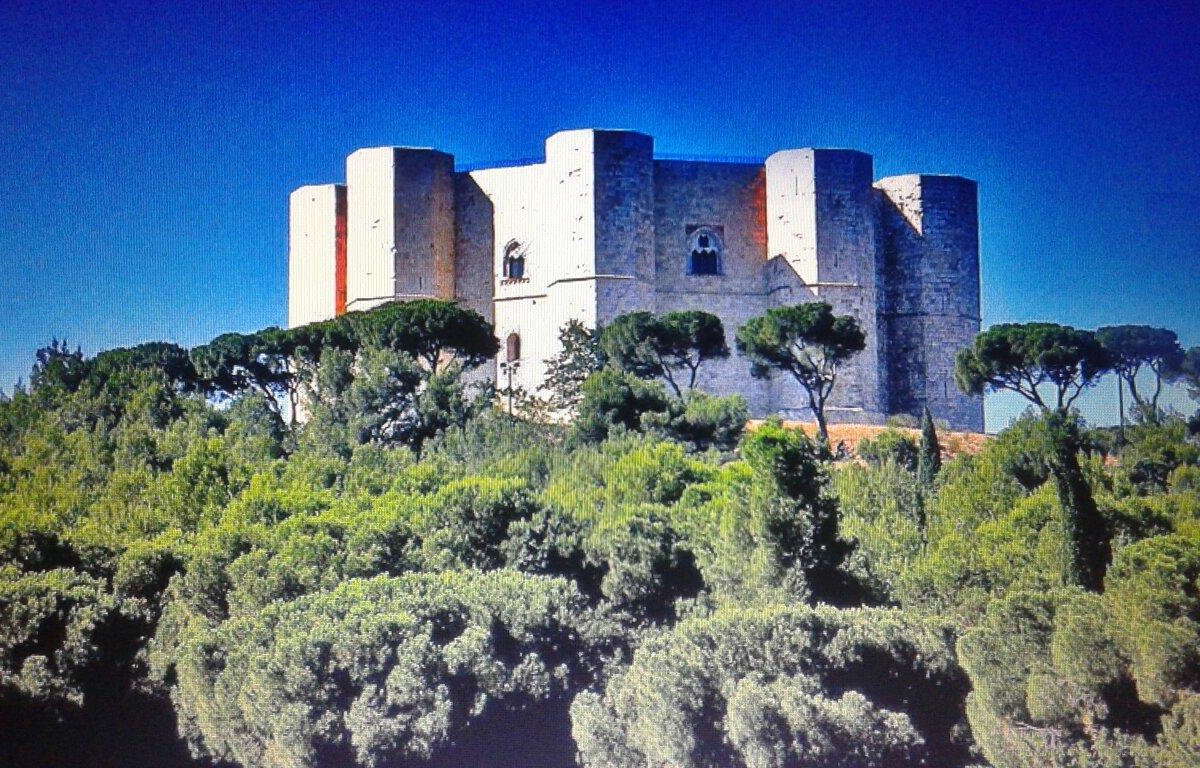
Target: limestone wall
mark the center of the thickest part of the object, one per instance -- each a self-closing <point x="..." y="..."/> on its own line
<point x="821" y="214"/>
<point x="370" y="235"/>
<point x="474" y="246"/>
<point x="546" y="213"/>
<point x="424" y="224"/>
<point x="316" y="230"/>
<point x="728" y="199"/>
<point x="623" y="173"/>
<point x="605" y="229"/>
<point x="400" y="225"/>
<point x="932" y="304"/>
<point x="515" y="198"/>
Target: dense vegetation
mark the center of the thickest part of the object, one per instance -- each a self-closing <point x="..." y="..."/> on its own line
<point x="407" y="576"/>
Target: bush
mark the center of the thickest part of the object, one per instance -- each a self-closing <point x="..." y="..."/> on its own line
<point x="616" y="401"/>
<point x="890" y="445"/>
<point x="384" y="669"/>
<point x="903" y="421"/>
<point x="1063" y="677"/>
<point x="1154" y="451"/>
<point x="781" y="686"/>
<point x="881" y="513"/>
<point x="701" y="421"/>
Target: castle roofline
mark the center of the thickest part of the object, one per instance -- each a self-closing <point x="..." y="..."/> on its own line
<point x="921" y="177"/>
<point x="594" y="129"/>
<point x="815" y="150"/>
<point x="672" y="157"/>
<point x="386" y="148"/>
<point x="322" y="185"/>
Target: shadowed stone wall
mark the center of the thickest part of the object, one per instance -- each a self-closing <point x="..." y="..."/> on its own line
<point x="400" y="225"/>
<point x="931" y="303"/>
<point x="729" y="200"/>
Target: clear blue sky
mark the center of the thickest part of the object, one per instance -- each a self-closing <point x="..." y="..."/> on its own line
<point x="147" y="155"/>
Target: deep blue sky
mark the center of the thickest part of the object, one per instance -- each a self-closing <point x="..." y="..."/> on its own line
<point x="147" y="156"/>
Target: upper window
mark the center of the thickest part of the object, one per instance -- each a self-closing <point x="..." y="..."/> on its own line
<point x="705" y="251"/>
<point x="514" y="261"/>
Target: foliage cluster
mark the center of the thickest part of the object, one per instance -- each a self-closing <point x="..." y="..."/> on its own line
<point x="409" y="577"/>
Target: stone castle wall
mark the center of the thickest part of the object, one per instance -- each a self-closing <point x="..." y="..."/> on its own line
<point x="821" y="215"/>
<point x="730" y="199"/>
<point x="604" y="228"/>
<point x="400" y="225"/>
<point x="316" y="220"/>
<point x="931" y="303"/>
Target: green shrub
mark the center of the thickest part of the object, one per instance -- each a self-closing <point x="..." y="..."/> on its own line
<point x="890" y="445"/>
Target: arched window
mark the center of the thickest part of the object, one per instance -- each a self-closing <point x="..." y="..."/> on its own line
<point x="514" y="261"/>
<point x="704" y="252"/>
<point x="512" y="347"/>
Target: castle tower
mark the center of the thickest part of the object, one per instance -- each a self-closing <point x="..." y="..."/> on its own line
<point x="400" y="226"/>
<point x="316" y="253"/>
<point x="623" y="178"/>
<point x="601" y="227"/>
<point x="596" y="258"/>
<point x="930" y="238"/>
<point x="821" y="235"/>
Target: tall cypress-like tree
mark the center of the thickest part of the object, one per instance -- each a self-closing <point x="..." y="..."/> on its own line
<point x="929" y="453"/>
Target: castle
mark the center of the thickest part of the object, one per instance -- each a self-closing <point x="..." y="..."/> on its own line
<point x="602" y="227"/>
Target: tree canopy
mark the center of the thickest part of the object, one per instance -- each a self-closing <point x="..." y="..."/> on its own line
<point x="807" y="341"/>
<point x="1023" y="357"/>
<point x="234" y="363"/>
<point x="1188" y="371"/>
<point x="653" y="346"/>
<point x="1132" y="348"/>
<point x="409" y="576"/>
<point x="433" y="332"/>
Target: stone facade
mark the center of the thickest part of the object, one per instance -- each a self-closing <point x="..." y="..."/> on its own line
<point x="601" y="227"/>
<point x="317" y="228"/>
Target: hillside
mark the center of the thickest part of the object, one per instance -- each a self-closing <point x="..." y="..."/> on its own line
<point x="411" y="577"/>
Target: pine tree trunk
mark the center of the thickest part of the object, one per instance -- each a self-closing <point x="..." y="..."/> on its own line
<point x="1121" y="408"/>
<point x="822" y="427"/>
